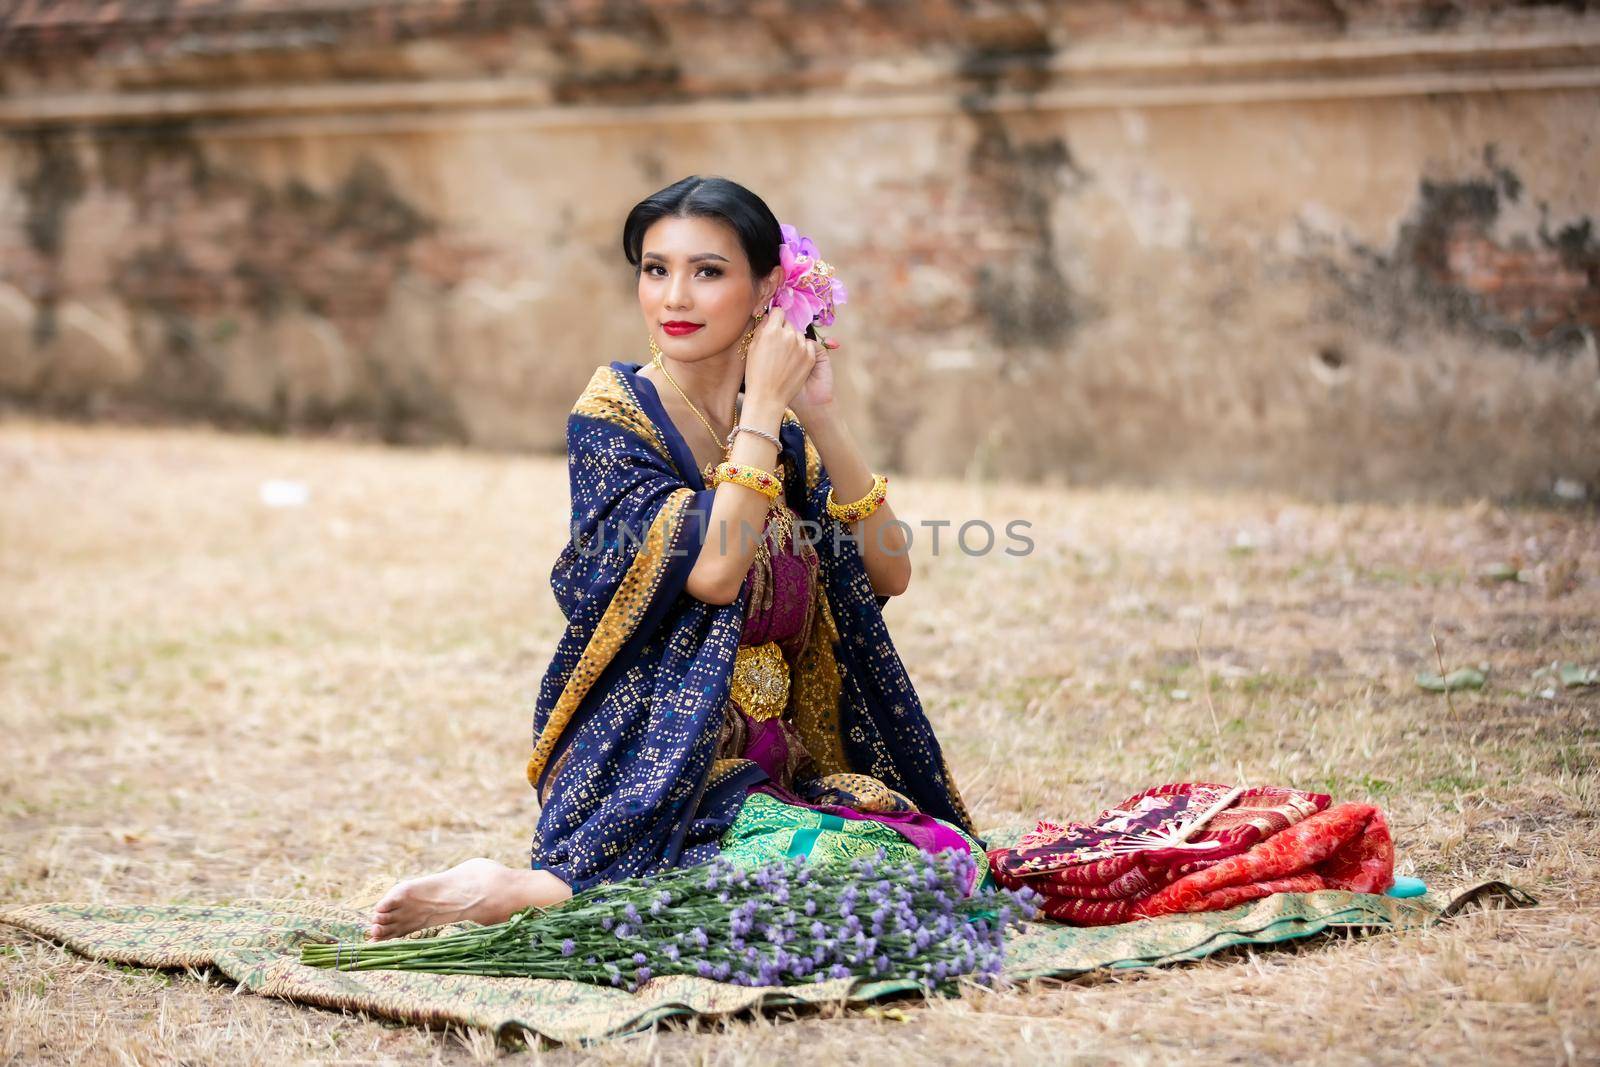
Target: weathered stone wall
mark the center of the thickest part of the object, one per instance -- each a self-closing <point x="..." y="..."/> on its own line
<point x="1344" y="248"/>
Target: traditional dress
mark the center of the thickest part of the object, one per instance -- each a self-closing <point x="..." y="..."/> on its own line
<point x="668" y="730"/>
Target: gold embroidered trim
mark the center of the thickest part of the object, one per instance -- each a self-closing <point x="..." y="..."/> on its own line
<point x="621" y="618"/>
<point x="608" y="398"/>
<point x="861" y="792"/>
<point x="813" y="465"/>
<point x="815" y="691"/>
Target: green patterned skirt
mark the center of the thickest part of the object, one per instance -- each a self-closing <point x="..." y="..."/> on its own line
<point x="767" y="829"/>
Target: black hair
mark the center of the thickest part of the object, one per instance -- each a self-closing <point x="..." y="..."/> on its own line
<point x="709" y="198"/>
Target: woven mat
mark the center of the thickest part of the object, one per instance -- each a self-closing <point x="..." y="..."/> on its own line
<point x="256" y="943"/>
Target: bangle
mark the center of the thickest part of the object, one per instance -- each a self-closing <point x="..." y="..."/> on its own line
<point x="751" y="429"/>
<point x="860" y="509"/>
<point x="762" y="481"/>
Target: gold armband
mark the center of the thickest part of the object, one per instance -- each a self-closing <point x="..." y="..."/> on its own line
<point x="762" y="481"/>
<point x="860" y="509"/>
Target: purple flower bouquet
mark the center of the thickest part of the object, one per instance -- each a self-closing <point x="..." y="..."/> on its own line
<point x="783" y="923"/>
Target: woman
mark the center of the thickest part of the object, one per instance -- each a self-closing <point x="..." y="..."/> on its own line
<point x="725" y="683"/>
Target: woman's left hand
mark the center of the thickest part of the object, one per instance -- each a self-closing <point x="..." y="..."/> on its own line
<point x="817" y="392"/>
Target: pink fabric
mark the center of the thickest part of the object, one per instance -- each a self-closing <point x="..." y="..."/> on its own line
<point x="768" y="745"/>
<point x="792" y="578"/>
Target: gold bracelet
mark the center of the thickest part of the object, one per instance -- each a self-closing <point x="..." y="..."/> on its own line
<point x="762" y="481"/>
<point x="860" y="509"/>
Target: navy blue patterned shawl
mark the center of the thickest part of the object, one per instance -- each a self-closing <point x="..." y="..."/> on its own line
<point x="628" y="714"/>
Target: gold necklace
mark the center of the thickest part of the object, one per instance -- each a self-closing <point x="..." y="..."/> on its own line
<point x="785" y="530"/>
<point x="727" y="447"/>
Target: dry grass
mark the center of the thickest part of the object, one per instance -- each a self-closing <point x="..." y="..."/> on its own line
<point x="204" y="699"/>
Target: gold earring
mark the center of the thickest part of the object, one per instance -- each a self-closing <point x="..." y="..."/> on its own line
<point x="744" y="345"/>
<point x="655" y="349"/>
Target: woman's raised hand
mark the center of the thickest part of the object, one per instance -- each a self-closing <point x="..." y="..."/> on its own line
<point x="779" y="361"/>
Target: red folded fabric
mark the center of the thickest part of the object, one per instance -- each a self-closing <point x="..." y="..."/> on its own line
<point x="1123" y="866"/>
<point x="1346" y="847"/>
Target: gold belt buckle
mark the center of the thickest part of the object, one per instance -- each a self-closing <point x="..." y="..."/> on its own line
<point x="761" y="680"/>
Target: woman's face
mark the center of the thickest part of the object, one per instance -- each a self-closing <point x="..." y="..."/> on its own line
<point x="694" y="271"/>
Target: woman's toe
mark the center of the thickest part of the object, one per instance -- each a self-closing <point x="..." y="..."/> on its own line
<point x="386" y="916"/>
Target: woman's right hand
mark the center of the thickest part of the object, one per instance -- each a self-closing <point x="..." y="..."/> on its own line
<point x="779" y="361"/>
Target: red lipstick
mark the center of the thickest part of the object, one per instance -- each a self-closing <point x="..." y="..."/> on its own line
<point x="681" y="329"/>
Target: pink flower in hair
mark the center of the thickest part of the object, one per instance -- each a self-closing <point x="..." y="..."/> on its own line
<point x="809" y="291"/>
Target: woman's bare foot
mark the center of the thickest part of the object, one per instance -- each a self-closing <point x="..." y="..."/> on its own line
<point x="479" y="890"/>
